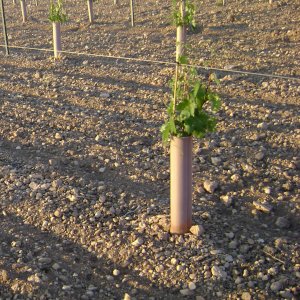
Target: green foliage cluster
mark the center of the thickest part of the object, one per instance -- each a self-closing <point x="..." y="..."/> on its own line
<point x="57" y="13"/>
<point x="188" y="114"/>
<point x="189" y="17"/>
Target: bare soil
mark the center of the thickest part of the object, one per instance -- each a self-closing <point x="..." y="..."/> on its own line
<point x="84" y="179"/>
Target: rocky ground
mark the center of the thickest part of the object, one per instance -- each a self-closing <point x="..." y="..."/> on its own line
<point x="84" y="179"/>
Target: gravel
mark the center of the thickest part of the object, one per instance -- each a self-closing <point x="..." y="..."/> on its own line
<point x="84" y="179"/>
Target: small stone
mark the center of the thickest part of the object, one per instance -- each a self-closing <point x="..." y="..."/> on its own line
<point x="102" y="170"/>
<point x="186" y="292"/>
<point x="127" y="296"/>
<point x="226" y="199"/>
<point x="66" y="287"/>
<point x="264" y="207"/>
<point x="57" y="213"/>
<point x="197" y="230"/>
<point x="233" y="244"/>
<point x="116" y="272"/>
<point x="3" y="276"/>
<point x="238" y="280"/>
<point x="246" y="296"/>
<point x="286" y="294"/>
<point x="276" y="286"/>
<point x="259" y="155"/>
<point x="230" y="234"/>
<point x="34" y="186"/>
<point x="58" y="136"/>
<point x="218" y="272"/>
<point x="192" y="286"/>
<point x="37" y="75"/>
<point x="228" y="258"/>
<point x="44" y="260"/>
<point x="104" y="95"/>
<point x="210" y="186"/>
<point x="282" y="222"/>
<point x="98" y="214"/>
<point x="216" y="160"/>
<point x="138" y="242"/>
<point x="102" y="199"/>
<point x="174" y="261"/>
<point x="56" y="266"/>
<point x="267" y="190"/>
<point x="263" y="125"/>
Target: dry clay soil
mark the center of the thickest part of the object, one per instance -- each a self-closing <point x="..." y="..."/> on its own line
<point x="84" y="179"/>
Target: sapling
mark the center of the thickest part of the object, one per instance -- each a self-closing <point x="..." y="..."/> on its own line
<point x="57" y="16"/>
<point x="188" y="116"/>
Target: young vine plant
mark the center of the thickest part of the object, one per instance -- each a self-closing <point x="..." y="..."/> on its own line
<point x="189" y="17"/>
<point x="57" y="13"/>
<point x="190" y="112"/>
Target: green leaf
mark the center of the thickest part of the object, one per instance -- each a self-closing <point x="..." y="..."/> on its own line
<point x="215" y="101"/>
<point x="183" y="60"/>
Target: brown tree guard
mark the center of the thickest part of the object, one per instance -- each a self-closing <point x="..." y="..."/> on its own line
<point x="24" y="10"/>
<point x="90" y="11"/>
<point x="180" y="156"/>
<point x="56" y="39"/>
<point x="181" y="184"/>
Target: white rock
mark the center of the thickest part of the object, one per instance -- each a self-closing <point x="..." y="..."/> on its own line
<point x="138" y="242"/>
<point x="104" y="95"/>
<point x="192" y="286"/>
<point x="34" y="186"/>
<point x="186" y="292"/>
<point x="264" y="207"/>
<point x="197" y="230"/>
<point x="218" y="272"/>
<point x="98" y="214"/>
<point x="116" y="272"/>
<point x="58" y="136"/>
<point x="127" y="296"/>
<point x="210" y="186"/>
<point x="226" y="199"/>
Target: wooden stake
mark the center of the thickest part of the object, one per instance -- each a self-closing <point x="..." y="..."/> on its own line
<point x="132" y="12"/>
<point x="90" y="10"/>
<point x="24" y="10"/>
<point x="4" y="28"/>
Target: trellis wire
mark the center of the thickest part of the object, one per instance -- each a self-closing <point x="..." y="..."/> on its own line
<point x="160" y="62"/>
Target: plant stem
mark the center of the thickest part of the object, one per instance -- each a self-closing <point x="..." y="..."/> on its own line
<point x="175" y="87"/>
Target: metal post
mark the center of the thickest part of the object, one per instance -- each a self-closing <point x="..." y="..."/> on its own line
<point x="132" y="12"/>
<point x="4" y="28"/>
